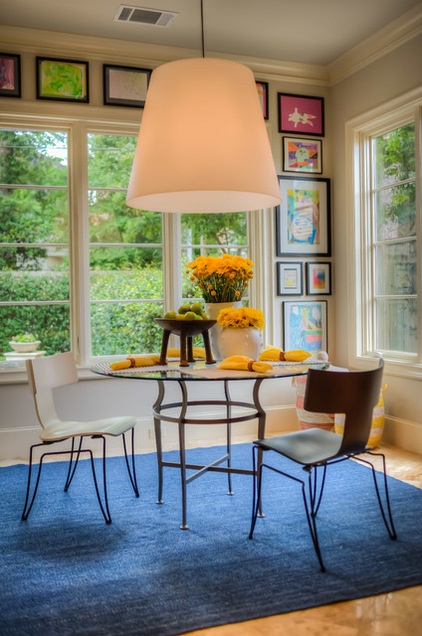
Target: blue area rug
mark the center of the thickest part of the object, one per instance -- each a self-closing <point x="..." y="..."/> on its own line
<point x="64" y="571"/>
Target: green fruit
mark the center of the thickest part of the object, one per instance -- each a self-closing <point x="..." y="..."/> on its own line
<point x="180" y="316"/>
<point x="170" y="315"/>
<point x="197" y="308"/>
<point x="183" y="309"/>
<point x="204" y="316"/>
<point x="190" y="315"/>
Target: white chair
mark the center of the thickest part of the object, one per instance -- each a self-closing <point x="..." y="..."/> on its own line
<point x="44" y="375"/>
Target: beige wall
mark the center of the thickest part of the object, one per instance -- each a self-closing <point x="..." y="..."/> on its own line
<point x="389" y="77"/>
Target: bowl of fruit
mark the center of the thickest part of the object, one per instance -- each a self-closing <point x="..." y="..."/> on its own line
<point x="187" y="322"/>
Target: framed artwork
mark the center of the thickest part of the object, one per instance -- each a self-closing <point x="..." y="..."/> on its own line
<point x="125" y="85"/>
<point x="289" y="279"/>
<point x="300" y="114"/>
<point x="62" y="80"/>
<point x="302" y="155"/>
<point x="305" y="325"/>
<point x="262" y="88"/>
<point x="303" y="217"/>
<point x="318" y="279"/>
<point x="10" y="75"/>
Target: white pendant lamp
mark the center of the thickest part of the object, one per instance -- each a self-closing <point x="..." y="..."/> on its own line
<point x="203" y="145"/>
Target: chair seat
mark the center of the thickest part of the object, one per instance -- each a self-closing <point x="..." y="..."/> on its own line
<point x="60" y="430"/>
<point x="309" y="447"/>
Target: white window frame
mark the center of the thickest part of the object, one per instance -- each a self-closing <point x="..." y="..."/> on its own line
<point x="359" y="132"/>
<point x="77" y="130"/>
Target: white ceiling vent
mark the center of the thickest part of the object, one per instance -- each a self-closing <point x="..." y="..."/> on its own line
<point x="139" y="15"/>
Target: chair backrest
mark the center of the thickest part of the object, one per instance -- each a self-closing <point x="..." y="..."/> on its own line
<point x="45" y="374"/>
<point x="354" y="393"/>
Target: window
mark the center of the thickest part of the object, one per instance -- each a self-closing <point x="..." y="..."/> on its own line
<point x="388" y="235"/>
<point x="34" y="237"/>
<point x="78" y="267"/>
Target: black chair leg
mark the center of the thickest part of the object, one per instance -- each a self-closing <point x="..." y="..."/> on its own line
<point x="103" y="506"/>
<point x="311" y="510"/>
<point x="131" y="469"/>
<point x="73" y="464"/>
<point x="386" y="513"/>
<point x="29" y="503"/>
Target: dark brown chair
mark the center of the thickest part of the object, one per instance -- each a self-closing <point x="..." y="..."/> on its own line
<point x="353" y="393"/>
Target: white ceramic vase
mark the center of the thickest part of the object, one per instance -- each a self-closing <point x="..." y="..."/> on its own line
<point x="245" y="342"/>
<point x="212" y="310"/>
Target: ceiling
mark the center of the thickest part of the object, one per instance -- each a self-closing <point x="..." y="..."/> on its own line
<point x="303" y="31"/>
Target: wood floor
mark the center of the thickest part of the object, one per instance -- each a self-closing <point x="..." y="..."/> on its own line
<point x="394" y="614"/>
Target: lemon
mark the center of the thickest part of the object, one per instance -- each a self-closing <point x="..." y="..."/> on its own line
<point x="170" y="315"/>
<point x="183" y="309"/>
<point x="197" y="308"/>
<point x="190" y="315"/>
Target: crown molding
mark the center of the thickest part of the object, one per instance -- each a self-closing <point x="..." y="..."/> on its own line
<point x="50" y="43"/>
<point x="395" y="34"/>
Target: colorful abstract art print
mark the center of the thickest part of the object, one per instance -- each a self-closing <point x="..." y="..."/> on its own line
<point x="305" y="325"/>
<point x="10" y="75"/>
<point x="300" y="114"/>
<point x="303" y="217"/>
<point x="302" y="155"/>
<point x="62" y="80"/>
<point x="289" y="279"/>
<point x="318" y="279"/>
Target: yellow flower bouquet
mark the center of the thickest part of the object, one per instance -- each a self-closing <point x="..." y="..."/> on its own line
<point x="222" y="279"/>
<point x="241" y="318"/>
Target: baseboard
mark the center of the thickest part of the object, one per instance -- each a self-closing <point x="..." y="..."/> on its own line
<point x="15" y="443"/>
<point x="403" y="434"/>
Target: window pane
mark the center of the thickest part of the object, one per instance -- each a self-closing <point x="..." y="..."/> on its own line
<point x="33" y="158"/>
<point x="397" y="325"/>
<point x="110" y="160"/>
<point x="396" y="269"/>
<point x="49" y="323"/>
<point x="34" y="238"/>
<point x="33" y="216"/>
<point x="396" y="212"/>
<point x="134" y="284"/>
<point x="112" y="221"/>
<point x="125" y="254"/>
<point x="126" y="328"/>
<point x="211" y="235"/>
<point x="395" y="156"/>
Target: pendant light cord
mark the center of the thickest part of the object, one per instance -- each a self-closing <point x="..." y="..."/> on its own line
<point x="202" y="28"/>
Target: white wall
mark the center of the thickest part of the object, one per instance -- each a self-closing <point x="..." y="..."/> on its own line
<point x="393" y="75"/>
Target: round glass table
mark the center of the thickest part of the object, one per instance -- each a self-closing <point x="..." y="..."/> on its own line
<point x="189" y="411"/>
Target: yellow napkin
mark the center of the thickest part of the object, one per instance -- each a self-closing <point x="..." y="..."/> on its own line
<point x="276" y="355"/>
<point x="273" y="354"/>
<point x="243" y="363"/>
<point x="198" y="352"/>
<point x="135" y="361"/>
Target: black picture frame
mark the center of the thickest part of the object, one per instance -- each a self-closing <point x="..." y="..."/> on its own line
<point x="305" y="325"/>
<point x="318" y="279"/>
<point x="262" y="88"/>
<point x="125" y="85"/>
<point x="303" y="218"/>
<point x="300" y="114"/>
<point x="289" y="278"/>
<point x="302" y="155"/>
<point x="62" y="80"/>
<point x="10" y="75"/>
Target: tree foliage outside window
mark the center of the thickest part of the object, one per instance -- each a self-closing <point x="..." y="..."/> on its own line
<point x="395" y="240"/>
<point x="125" y="246"/>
